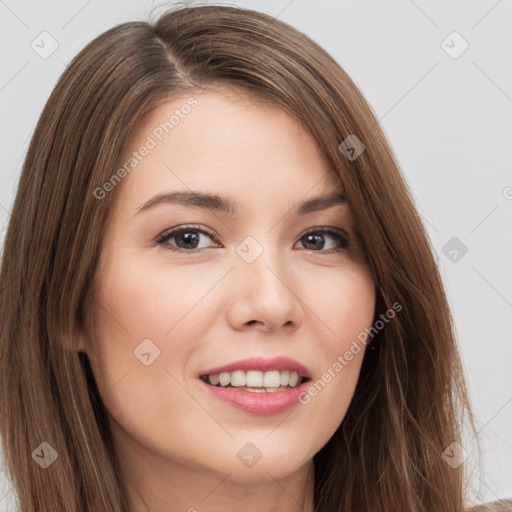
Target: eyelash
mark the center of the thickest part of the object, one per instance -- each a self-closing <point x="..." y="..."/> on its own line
<point x="163" y="239"/>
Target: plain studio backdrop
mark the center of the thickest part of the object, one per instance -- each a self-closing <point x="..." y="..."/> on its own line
<point x="438" y="76"/>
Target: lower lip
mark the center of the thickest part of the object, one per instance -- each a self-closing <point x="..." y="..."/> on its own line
<point x="261" y="404"/>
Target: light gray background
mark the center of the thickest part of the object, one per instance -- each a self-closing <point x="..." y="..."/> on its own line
<point x="448" y="120"/>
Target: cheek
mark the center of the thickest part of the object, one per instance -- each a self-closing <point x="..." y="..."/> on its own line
<point x="144" y="300"/>
<point x="344" y="303"/>
<point x="347" y="307"/>
<point x="352" y="314"/>
<point x="149" y="319"/>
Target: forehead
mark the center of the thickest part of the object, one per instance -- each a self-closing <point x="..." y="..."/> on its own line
<point x="225" y="139"/>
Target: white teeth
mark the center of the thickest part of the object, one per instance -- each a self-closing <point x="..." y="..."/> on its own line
<point x="224" y="378"/>
<point x="214" y="379"/>
<point x="293" y="380"/>
<point x="238" y="379"/>
<point x="272" y="381"/>
<point x="254" y="379"/>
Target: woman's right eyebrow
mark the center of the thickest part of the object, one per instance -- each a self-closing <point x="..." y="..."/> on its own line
<point x="214" y="202"/>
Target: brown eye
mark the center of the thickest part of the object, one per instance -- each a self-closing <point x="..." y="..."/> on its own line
<point x="186" y="238"/>
<point x="316" y="240"/>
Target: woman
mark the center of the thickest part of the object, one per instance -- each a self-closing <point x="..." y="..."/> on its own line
<point x="216" y="290"/>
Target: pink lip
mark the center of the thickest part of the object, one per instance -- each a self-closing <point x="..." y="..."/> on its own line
<point x="280" y="363"/>
<point x="261" y="404"/>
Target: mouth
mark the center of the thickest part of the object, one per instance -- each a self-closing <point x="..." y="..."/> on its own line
<point x="256" y="381"/>
<point x="259" y="386"/>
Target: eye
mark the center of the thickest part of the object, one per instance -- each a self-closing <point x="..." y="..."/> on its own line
<point x="186" y="238"/>
<point x="315" y="239"/>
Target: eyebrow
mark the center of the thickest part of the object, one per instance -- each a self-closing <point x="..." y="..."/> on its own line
<point x="226" y="205"/>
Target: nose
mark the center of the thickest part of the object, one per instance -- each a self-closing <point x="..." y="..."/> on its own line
<point x="266" y="295"/>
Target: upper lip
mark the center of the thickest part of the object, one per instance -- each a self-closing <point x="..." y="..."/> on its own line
<point x="280" y="363"/>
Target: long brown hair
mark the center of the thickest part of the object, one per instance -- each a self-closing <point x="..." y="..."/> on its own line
<point x="410" y="399"/>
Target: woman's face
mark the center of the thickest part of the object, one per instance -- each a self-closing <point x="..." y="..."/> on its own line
<point x="171" y="307"/>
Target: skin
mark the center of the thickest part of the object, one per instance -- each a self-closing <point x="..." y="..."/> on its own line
<point x="177" y="445"/>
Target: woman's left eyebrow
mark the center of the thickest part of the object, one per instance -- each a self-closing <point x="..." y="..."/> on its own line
<point x="227" y="205"/>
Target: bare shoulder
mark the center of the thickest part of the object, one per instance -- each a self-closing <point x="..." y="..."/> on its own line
<point x="495" y="506"/>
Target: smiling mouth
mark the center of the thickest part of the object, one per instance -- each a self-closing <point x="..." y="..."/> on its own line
<point x="256" y="381"/>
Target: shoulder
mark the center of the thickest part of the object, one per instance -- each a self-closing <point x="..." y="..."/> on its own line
<point x="495" y="506"/>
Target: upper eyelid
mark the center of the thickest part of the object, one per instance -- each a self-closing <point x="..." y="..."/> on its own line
<point x="190" y="227"/>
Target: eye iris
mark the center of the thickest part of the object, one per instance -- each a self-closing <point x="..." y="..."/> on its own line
<point x="317" y="238"/>
<point x="188" y="236"/>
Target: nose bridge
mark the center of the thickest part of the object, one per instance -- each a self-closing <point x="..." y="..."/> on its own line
<point x="265" y="288"/>
<point x="262" y="264"/>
